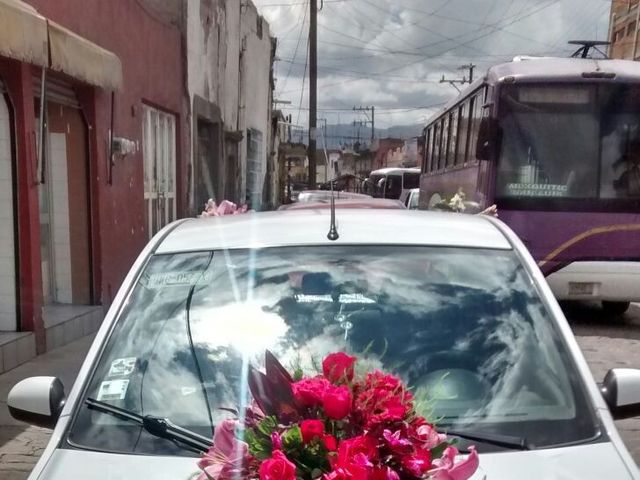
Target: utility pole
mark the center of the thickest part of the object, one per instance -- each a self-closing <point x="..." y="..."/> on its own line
<point x="453" y="81"/>
<point x="371" y="109"/>
<point x="471" y="67"/>
<point x="313" y="90"/>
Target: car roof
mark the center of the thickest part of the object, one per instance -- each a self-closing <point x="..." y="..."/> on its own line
<point x="365" y="202"/>
<point x="392" y="170"/>
<point x="355" y="227"/>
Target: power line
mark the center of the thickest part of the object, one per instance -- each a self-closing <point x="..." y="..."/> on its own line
<point x="304" y="75"/>
<point x="295" y="52"/>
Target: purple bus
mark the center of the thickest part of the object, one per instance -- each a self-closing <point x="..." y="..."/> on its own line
<point x="555" y="143"/>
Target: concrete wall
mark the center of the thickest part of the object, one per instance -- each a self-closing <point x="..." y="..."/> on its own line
<point x="229" y="65"/>
<point x="256" y="89"/>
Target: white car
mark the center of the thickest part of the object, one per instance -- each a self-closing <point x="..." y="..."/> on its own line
<point x="454" y="304"/>
<point x="412" y="199"/>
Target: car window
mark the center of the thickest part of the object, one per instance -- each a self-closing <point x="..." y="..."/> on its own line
<point x="463" y="327"/>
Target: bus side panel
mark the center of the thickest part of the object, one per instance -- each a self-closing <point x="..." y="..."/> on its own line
<point x="440" y="187"/>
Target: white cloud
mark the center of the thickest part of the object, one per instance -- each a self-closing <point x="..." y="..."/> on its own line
<point x="382" y="51"/>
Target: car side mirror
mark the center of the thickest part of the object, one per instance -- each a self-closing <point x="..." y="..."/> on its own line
<point x="621" y="391"/>
<point x="37" y="400"/>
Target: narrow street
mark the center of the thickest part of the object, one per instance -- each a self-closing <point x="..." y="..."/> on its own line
<point x="607" y="343"/>
<point x="610" y="343"/>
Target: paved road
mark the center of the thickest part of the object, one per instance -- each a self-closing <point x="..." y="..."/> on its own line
<point x="610" y="343"/>
<point x="606" y="343"/>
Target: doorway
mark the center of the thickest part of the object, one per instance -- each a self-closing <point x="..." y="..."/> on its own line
<point x="65" y="208"/>
<point x="8" y="287"/>
<point x="159" y="153"/>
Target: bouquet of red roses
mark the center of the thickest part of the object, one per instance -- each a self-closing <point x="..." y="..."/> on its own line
<point x="331" y="427"/>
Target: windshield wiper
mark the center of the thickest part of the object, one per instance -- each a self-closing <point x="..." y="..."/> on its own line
<point x="157" y="426"/>
<point x="504" y="441"/>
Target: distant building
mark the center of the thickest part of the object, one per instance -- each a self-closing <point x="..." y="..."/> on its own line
<point x="623" y="29"/>
<point x="387" y="153"/>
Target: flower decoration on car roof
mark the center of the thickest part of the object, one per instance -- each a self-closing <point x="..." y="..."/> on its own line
<point x="211" y="209"/>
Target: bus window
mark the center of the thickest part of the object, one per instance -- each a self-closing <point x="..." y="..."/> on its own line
<point x="393" y="186"/>
<point x="435" y="151"/>
<point x="427" y="151"/>
<point x="453" y="138"/>
<point x="437" y="147"/>
<point x="463" y="131"/>
<point x="410" y="180"/>
<point x="476" y="117"/>
<point x="550" y="142"/>
<point x="620" y="149"/>
<point x="444" y="147"/>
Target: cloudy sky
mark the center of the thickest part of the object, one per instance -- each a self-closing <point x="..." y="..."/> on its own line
<point x="392" y="53"/>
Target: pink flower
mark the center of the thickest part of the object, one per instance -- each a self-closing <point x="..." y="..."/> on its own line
<point x="337" y="402"/>
<point x="417" y="464"/>
<point x="426" y="435"/>
<point x="447" y="469"/>
<point x="309" y="392"/>
<point x="278" y="467"/>
<point x="396" y="443"/>
<point x="338" y="367"/>
<point x="276" y="441"/>
<point x="211" y="209"/>
<point x="228" y="454"/>
<point x="311" y="429"/>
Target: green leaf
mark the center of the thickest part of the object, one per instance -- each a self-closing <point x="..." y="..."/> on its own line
<point x="292" y="438"/>
<point x="437" y="451"/>
<point x="268" y="426"/>
<point x="298" y="374"/>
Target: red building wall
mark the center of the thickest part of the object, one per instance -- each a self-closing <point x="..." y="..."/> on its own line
<point x="151" y="52"/>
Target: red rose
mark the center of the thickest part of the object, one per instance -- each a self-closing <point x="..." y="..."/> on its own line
<point x="338" y="367"/>
<point x="337" y="402"/>
<point x="382" y="398"/>
<point x="385" y="473"/>
<point x="309" y="392"/>
<point x="311" y="429"/>
<point x="278" y="467"/>
<point x="354" y="447"/>
<point x="330" y="443"/>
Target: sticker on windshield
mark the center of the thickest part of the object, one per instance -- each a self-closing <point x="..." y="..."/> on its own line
<point x="175" y="279"/>
<point x="113" y="390"/>
<point x="122" y="367"/>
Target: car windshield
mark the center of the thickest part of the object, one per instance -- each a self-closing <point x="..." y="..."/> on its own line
<point x="463" y="327"/>
<point x="570" y="141"/>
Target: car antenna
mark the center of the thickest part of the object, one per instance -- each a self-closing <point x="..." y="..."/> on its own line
<point x="333" y="231"/>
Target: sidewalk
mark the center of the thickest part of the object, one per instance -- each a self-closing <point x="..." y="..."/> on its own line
<point x="20" y="444"/>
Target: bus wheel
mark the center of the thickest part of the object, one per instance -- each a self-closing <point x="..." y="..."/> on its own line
<point x="615" y="308"/>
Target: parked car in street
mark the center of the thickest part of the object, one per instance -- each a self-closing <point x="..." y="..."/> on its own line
<point x="321" y="195"/>
<point x="365" y="202"/>
<point x="412" y="200"/>
<point x="453" y="304"/>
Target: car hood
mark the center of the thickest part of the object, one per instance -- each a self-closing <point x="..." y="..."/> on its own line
<point x="597" y="462"/>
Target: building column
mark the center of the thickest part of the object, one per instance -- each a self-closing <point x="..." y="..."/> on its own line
<point x="18" y="80"/>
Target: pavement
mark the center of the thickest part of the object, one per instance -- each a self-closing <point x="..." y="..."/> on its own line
<point x="606" y="343"/>
<point x="20" y="444"/>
